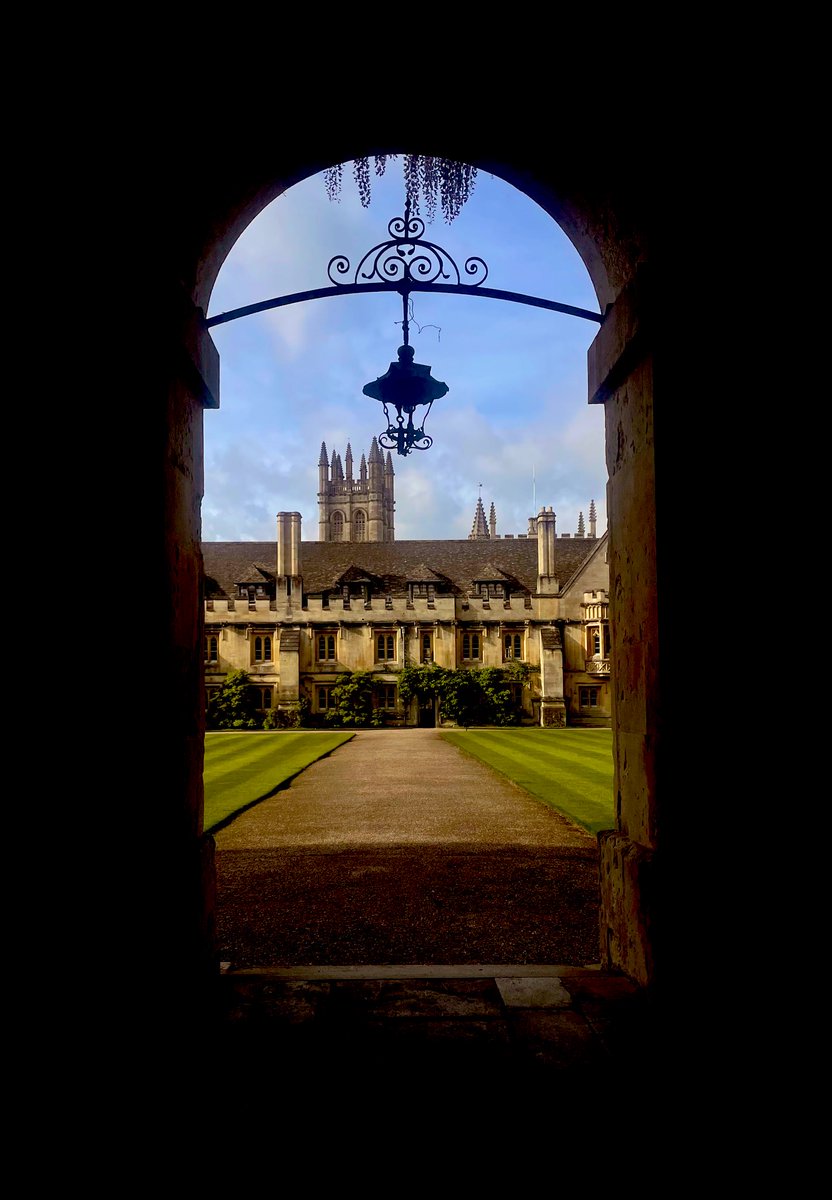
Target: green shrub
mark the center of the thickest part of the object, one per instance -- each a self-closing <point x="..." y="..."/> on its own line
<point x="234" y="705"/>
<point x="296" y="717"/>
<point x="351" y="700"/>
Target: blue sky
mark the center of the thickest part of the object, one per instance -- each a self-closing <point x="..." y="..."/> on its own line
<point x="515" y="419"/>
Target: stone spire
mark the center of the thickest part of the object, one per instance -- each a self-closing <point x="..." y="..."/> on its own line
<point x="492" y="521"/>
<point x="362" y="471"/>
<point x="322" y="461"/>
<point x="479" y="530"/>
<point x="592" y="518"/>
<point x="349" y="462"/>
<point x="580" y="532"/>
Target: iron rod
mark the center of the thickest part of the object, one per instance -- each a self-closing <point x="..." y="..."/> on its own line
<point x="354" y="289"/>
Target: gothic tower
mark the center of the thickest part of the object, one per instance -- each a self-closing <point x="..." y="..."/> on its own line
<point x="356" y="510"/>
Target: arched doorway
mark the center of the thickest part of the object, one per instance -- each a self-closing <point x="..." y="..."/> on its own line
<point x="607" y="214"/>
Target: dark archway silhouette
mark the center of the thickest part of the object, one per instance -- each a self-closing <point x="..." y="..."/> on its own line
<point x="603" y="196"/>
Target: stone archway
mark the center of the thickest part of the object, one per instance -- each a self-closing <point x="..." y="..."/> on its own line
<point x="606" y="210"/>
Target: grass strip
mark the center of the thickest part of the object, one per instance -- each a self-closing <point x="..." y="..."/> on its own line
<point x="568" y="769"/>
<point x="244" y="768"/>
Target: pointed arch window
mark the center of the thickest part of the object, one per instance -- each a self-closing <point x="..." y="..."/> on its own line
<point x="385" y="647"/>
<point x="426" y="655"/>
<point x="470" y="647"/>
<point x="262" y="649"/>
<point x="512" y="646"/>
<point x="360" y="526"/>
<point x="337" y="523"/>
<point x="326" y="647"/>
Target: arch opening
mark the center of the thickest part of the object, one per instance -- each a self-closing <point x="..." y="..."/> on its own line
<point x="607" y="214"/>
<point x="295" y="333"/>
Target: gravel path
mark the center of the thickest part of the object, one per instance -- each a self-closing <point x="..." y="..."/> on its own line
<point x="398" y="848"/>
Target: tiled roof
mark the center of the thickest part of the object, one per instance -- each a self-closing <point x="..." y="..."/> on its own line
<point x="394" y="564"/>
<point x="255" y="574"/>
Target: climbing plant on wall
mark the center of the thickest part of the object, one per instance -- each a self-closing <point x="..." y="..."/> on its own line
<point x="434" y="182"/>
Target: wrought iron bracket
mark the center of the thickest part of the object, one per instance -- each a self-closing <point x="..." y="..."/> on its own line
<point x="406" y="263"/>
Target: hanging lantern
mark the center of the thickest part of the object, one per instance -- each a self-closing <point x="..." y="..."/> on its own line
<point x="406" y="386"/>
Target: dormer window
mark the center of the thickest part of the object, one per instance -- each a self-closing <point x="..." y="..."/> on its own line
<point x="253" y="592"/>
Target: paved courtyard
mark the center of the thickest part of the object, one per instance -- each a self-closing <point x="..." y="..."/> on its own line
<point x="399" y="848"/>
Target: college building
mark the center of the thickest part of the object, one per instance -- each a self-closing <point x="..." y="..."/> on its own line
<point x="296" y="614"/>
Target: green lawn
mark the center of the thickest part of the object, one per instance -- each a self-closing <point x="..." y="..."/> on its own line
<point x="570" y="769"/>
<point x="242" y="768"/>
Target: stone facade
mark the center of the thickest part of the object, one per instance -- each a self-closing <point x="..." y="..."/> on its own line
<point x="296" y="614"/>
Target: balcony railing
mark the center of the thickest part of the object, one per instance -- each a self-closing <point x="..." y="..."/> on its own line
<point x="597" y="666"/>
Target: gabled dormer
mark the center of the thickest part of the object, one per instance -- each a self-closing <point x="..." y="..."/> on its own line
<point x="356" y="586"/>
<point x="255" y="584"/>
<point x="492" y="584"/>
<point x="423" y="584"/>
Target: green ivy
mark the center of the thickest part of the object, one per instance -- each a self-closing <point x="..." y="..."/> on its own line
<point x="467" y="696"/>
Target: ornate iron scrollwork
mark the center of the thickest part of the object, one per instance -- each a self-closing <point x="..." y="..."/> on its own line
<point x="407" y="258"/>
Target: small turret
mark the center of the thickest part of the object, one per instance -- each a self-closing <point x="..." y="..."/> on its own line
<point x="592" y="518"/>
